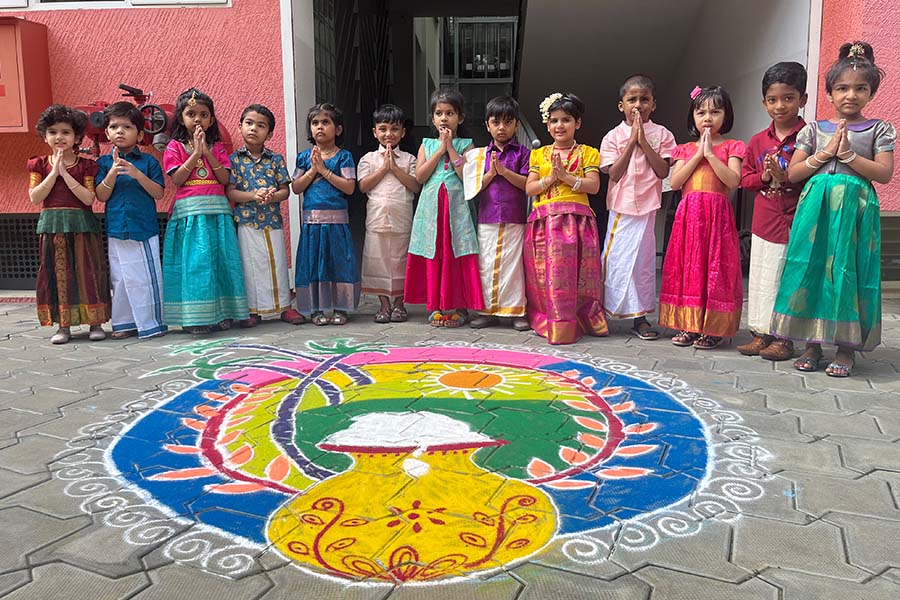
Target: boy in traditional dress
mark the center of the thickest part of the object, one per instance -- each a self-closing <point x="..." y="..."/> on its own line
<point x="259" y="183"/>
<point x="635" y="155"/>
<point x="764" y="172"/>
<point x="503" y="167"/>
<point x="388" y="177"/>
<point x="131" y="182"/>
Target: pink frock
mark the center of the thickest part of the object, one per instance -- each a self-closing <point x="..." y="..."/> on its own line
<point x="702" y="290"/>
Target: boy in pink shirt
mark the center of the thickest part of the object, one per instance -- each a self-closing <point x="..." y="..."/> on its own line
<point x="635" y="155"/>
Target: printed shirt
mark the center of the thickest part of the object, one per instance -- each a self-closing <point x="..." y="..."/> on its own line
<point x="501" y="201"/>
<point x="321" y="195"/>
<point x="773" y="206"/>
<point x="202" y="181"/>
<point x="248" y="174"/>
<point x="639" y="190"/>
<point x="390" y="204"/>
<point x="130" y="210"/>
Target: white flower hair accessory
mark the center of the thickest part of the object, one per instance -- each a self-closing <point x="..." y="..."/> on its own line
<point x="546" y="104"/>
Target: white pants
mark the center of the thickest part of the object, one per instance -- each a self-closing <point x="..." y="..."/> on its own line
<point x="264" y="262"/>
<point x="766" y="266"/>
<point x="629" y="265"/>
<point x="136" y="276"/>
<point x="502" y="269"/>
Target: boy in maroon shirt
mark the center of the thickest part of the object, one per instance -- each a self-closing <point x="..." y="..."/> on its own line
<point x="764" y="171"/>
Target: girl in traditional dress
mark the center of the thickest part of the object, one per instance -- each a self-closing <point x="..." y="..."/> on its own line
<point x="830" y="290"/>
<point x="442" y="269"/>
<point x="326" y="277"/>
<point x="203" y="284"/>
<point x="702" y="292"/>
<point x="72" y="284"/>
<point x="563" y="274"/>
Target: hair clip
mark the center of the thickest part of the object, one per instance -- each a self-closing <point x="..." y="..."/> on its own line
<point x="696" y="92"/>
<point x="856" y="51"/>
<point x="546" y="103"/>
<point x="192" y="101"/>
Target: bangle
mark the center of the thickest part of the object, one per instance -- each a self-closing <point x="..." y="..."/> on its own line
<point x="106" y="185"/>
<point x="458" y="162"/>
<point x="850" y="159"/>
<point x="327" y="175"/>
<point x="219" y="168"/>
<point x="577" y="184"/>
<point x="811" y="166"/>
<point x="840" y="154"/>
<point x="543" y="183"/>
<point x="183" y="166"/>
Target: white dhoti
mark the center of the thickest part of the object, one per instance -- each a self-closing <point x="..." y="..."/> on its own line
<point x="766" y="266"/>
<point x="264" y="263"/>
<point x="629" y="265"/>
<point x="502" y="268"/>
<point x="384" y="263"/>
<point x="136" y="277"/>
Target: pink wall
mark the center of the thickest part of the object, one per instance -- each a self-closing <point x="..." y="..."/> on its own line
<point x="233" y="54"/>
<point x="879" y="24"/>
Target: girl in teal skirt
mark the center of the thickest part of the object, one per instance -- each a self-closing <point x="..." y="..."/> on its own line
<point x="830" y="291"/>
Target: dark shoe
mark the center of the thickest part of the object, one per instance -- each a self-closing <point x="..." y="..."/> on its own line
<point x="778" y="350"/>
<point x="756" y="345"/>
<point x="483" y="321"/>
<point x="399" y="315"/>
<point x="383" y="316"/>
<point x="521" y="324"/>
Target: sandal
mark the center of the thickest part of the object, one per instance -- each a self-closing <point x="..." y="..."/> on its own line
<point x="121" y="335"/>
<point x="319" y="319"/>
<point x="399" y="315"/>
<point x="457" y="319"/>
<point x="383" y="316"/>
<point x="645" y="333"/>
<point x="808" y="364"/>
<point x="339" y="318"/>
<point x="198" y="329"/>
<point x="684" y="338"/>
<point x="836" y="369"/>
<point x="293" y="317"/>
<point x="708" y="342"/>
<point x="223" y="325"/>
<point x="436" y="318"/>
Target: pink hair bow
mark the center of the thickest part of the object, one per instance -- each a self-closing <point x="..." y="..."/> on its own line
<point x="696" y="92"/>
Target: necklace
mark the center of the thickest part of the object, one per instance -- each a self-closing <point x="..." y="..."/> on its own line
<point x="202" y="173"/>
<point x="326" y="155"/>
<point x="571" y="150"/>
<point x="65" y="166"/>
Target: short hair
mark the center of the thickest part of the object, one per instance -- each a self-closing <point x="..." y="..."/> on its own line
<point x="791" y="74"/>
<point x="334" y="113"/>
<point x="60" y="113"/>
<point x="864" y="64"/>
<point x="568" y="103"/>
<point x="720" y="99"/>
<point x="389" y="113"/>
<point x="449" y="96"/>
<point x="637" y="80"/>
<point x="124" y="109"/>
<point x="502" y="107"/>
<point x="179" y="131"/>
<point x="263" y="110"/>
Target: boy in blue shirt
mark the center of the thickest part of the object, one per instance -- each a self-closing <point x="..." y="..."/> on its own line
<point x="130" y="183"/>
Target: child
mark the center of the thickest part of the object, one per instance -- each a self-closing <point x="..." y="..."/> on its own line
<point x="830" y="290"/>
<point x="72" y="287"/>
<point x="442" y="270"/>
<point x="702" y="295"/>
<point x="388" y="177"/>
<point x="765" y="172"/>
<point x="130" y="184"/>
<point x="562" y="247"/>
<point x="204" y="285"/>
<point x="501" y="218"/>
<point x="259" y="183"/>
<point x="326" y="276"/>
<point x="636" y="156"/>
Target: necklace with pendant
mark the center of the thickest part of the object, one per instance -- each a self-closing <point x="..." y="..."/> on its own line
<point x="202" y="172"/>
<point x="568" y="158"/>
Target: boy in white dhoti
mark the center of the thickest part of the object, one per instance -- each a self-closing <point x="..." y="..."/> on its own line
<point x="259" y="183"/>
<point x="130" y="184"/>
<point x="387" y="177"/>
<point x="635" y="155"/>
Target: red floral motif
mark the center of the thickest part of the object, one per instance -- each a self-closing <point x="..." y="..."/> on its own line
<point x="414" y="514"/>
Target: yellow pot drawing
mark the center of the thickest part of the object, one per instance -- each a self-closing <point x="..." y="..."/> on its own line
<point x="413" y="512"/>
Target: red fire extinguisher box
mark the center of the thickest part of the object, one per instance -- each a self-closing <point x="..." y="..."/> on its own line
<point x="24" y="74"/>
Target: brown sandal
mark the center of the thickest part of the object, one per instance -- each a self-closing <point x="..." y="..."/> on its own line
<point x="684" y="338"/>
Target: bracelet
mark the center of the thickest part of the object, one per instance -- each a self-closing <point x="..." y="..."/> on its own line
<point x="183" y="166"/>
<point x="544" y="183"/>
<point x="219" y="168"/>
<point x="327" y="175"/>
<point x="849" y="160"/>
<point x="458" y="162"/>
<point x="839" y="154"/>
<point x="577" y="184"/>
<point x="811" y="166"/>
<point x="106" y="185"/>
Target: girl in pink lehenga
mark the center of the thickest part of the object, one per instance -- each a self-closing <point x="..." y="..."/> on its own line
<point x="702" y="292"/>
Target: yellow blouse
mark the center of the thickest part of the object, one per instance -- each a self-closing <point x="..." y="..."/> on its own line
<point x="584" y="160"/>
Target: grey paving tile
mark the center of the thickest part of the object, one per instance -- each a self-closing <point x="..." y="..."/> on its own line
<point x="821" y="456"/>
<point x="58" y="580"/>
<point x="30" y="454"/>
<point x="11" y="581"/>
<point x="43" y="400"/>
<point x="872" y="544"/>
<point x="782" y="400"/>
<point x="860" y="425"/>
<point x="820" y="494"/>
<point x="176" y="581"/>
<point x="761" y="543"/>
<point x="803" y="586"/>
<point x="12" y="482"/>
<point x="868" y="455"/>
<point x="25" y="531"/>
<point x="674" y="585"/>
<point x="14" y="420"/>
<point x="290" y="583"/>
<point x="541" y="583"/>
<point x="857" y="400"/>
